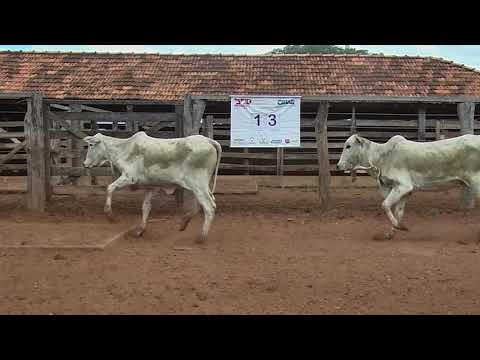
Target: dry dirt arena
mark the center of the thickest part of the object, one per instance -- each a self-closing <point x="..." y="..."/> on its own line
<point x="269" y="253"/>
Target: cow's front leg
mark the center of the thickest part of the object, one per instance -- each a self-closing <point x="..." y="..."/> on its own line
<point x="146" y="207"/>
<point x="392" y="200"/>
<point x="121" y="182"/>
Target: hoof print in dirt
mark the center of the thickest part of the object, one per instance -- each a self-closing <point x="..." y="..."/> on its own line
<point x="200" y="240"/>
<point x="382" y="237"/>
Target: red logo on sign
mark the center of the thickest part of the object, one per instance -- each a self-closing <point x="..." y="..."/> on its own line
<point x="242" y="102"/>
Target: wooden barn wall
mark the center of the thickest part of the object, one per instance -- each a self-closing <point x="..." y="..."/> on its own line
<point x="377" y="122"/>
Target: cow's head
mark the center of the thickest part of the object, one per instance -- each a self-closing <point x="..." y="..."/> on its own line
<point x="97" y="151"/>
<point x="352" y="155"/>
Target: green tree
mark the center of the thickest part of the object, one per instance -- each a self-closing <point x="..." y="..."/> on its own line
<point x="317" y="49"/>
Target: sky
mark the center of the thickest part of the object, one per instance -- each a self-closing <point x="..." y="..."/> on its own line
<point x="468" y="55"/>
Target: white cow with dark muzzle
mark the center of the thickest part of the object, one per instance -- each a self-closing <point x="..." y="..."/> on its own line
<point x="401" y="166"/>
<point x="152" y="163"/>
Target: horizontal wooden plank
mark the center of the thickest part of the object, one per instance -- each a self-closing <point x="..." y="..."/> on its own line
<point x="80" y="171"/>
<point x="6" y="124"/>
<point x="251" y="167"/>
<point x="272" y="156"/>
<point x="381" y="123"/>
<point x="111" y="101"/>
<point x="225" y="185"/>
<point x="11" y="134"/>
<point x="366" y="99"/>
<point x="231" y="155"/>
<point x="304" y="144"/>
<point x="117" y="116"/>
<point x="59" y="134"/>
<point x="13" y="166"/>
<point x="4" y="146"/>
<point x="16" y="156"/>
<point x="17" y="95"/>
<point x="299" y="156"/>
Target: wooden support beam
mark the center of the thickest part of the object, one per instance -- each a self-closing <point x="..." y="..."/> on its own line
<point x="353" y="130"/>
<point x="208" y="127"/>
<point x="77" y="144"/>
<point x="197" y="113"/>
<point x="94" y="109"/>
<point x="466" y="112"/>
<point x="192" y="114"/>
<point x="322" y="153"/>
<point x="365" y="99"/>
<point x="18" y="95"/>
<point x="179" y="193"/>
<point x="280" y="157"/>
<point x="422" y="121"/>
<point x="12" y="153"/>
<point x="119" y="116"/>
<point x="187" y="116"/>
<point x="135" y="120"/>
<point x="353" y="126"/>
<point x="38" y="150"/>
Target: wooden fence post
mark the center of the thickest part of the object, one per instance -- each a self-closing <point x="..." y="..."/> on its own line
<point x="179" y="132"/>
<point x="208" y="126"/>
<point x="280" y="160"/>
<point x="192" y="115"/>
<point x="322" y="153"/>
<point x="38" y="155"/>
<point x="422" y="121"/>
<point x="466" y="112"/>
<point x="77" y="145"/>
<point x="133" y="126"/>
<point x="353" y="130"/>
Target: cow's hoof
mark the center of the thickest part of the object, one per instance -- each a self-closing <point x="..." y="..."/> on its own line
<point x="201" y="240"/>
<point x="382" y="237"/>
<point x="110" y="217"/>
<point x="390" y="235"/>
<point x="139" y="232"/>
<point x="402" y="227"/>
<point x="183" y="224"/>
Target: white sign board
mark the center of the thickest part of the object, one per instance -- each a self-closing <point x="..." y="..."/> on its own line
<point x="265" y="121"/>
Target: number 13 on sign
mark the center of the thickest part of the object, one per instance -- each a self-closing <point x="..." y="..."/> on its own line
<point x="269" y="119"/>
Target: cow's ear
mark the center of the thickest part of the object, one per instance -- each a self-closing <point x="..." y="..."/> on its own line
<point x="359" y="140"/>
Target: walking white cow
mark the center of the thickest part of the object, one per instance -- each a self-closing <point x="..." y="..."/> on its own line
<point x="401" y="166"/>
<point x="152" y="163"/>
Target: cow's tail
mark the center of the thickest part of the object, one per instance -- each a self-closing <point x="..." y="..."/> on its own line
<point x="218" y="147"/>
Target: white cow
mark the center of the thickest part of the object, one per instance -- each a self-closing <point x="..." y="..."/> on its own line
<point x="152" y="163"/>
<point x="401" y="166"/>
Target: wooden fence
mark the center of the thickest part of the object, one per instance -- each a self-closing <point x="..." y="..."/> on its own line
<point x="42" y="137"/>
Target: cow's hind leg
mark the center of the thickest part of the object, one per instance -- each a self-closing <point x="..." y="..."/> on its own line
<point x="208" y="206"/>
<point x="146" y="207"/>
<point x="188" y="216"/>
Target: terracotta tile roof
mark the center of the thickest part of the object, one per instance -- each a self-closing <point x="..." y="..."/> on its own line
<point x="170" y="77"/>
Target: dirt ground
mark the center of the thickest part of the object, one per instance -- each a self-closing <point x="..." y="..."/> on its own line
<point x="270" y="253"/>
